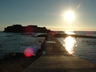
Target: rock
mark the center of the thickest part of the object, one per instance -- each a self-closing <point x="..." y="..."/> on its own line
<point x="26" y="29"/>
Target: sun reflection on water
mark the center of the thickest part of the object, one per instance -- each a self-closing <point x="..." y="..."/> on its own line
<point x="69" y="32"/>
<point x="69" y="44"/>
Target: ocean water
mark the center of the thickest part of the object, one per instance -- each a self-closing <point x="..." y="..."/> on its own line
<point x="18" y="42"/>
<point x="84" y="48"/>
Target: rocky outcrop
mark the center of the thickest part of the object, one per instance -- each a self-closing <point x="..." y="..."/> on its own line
<point x="14" y="28"/>
<point x="30" y="28"/>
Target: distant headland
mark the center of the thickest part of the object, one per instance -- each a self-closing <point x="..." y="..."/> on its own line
<point x="30" y="28"/>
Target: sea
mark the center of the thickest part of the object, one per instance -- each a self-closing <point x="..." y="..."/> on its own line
<point x="19" y="42"/>
<point x="84" y="48"/>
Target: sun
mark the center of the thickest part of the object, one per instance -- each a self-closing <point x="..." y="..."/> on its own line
<point x="69" y="16"/>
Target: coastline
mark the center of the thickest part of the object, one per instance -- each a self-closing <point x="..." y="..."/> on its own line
<point x="17" y="62"/>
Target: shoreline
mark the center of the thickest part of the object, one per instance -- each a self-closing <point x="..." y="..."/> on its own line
<point x="17" y="62"/>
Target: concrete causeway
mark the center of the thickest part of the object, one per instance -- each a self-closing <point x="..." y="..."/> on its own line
<point x="56" y="59"/>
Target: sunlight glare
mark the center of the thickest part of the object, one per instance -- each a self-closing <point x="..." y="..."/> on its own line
<point x="69" y="44"/>
<point x="69" y="32"/>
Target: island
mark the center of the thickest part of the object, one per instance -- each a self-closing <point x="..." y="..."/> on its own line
<point x="30" y="28"/>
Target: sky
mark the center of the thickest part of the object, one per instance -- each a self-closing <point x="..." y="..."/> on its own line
<point x="49" y="14"/>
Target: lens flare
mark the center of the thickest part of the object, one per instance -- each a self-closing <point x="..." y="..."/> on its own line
<point x="28" y="52"/>
<point x="29" y="29"/>
<point x="89" y="33"/>
<point x="52" y="33"/>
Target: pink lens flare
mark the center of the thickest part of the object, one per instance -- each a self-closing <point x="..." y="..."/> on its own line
<point x="53" y="33"/>
<point x="89" y="33"/>
<point x="29" y="29"/>
<point x="28" y="52"/>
